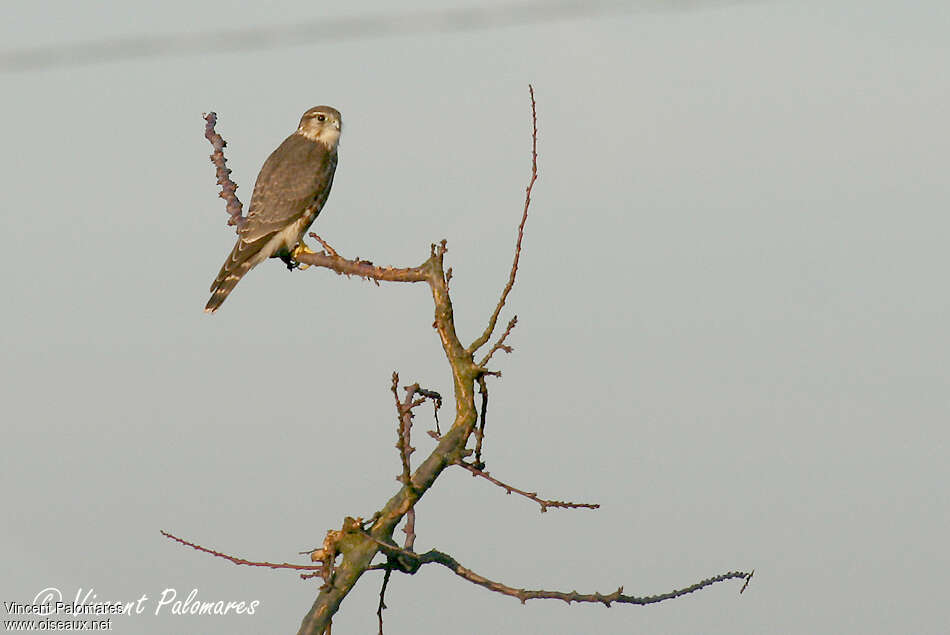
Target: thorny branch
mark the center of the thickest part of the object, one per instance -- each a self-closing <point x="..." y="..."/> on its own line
<point x="404" y="411"/>
<point x="382" y="599"/>
<point x="412" y="562"/>
<point x="483" y="338"/>
<point x="512" y="274"/>
<point x="241" y="561"/>
<point x="509" y="489"/>
<point x="483" y="389"/>
<point x="403" y="429"/>
<point x="221" y="171"/>
<point x="365" y="269"/>
<point x="500" y="344"/>
<point x="357" y="543"/>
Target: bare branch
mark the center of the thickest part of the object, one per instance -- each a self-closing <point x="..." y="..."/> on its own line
<point x="747" y="581"/>
<point x="483" y="338"/>
<point x="500" y="344"/>
<point x="363" y="268"/>
<point x="223" y="174"/>
<point x="403" y="428"/>
<point x="618" y="596"/>
<point x="509" y="489"/>
<point x="241" y="561"/>
<point x="480" y="430"/>
<point x="382" y="599"/>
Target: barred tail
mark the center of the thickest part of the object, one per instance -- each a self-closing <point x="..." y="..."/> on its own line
<point x="239" y="262"/>
<point x="223" y="288"/>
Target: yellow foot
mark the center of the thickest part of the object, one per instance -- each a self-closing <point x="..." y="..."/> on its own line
<point x="301" y="248"/>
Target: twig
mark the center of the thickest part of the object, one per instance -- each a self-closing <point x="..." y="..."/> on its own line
<point x="747" y="581"/>
<point x="405" y="415"/>
<point x="483" y="338"/>
<point x="403" y="429"/>
<point x="382" y="599"/>
<point x="500" y="344"/>
<point x="415" y="561"/>
<point x="431" y="394"/>
<point x="241" y="561"/>
<point x="436" y="404"/>
<point x="480" y="431"/>
<point x="330" y="250"/>
<point x="363" y="268"/>
<point x="509" y="489"/>
<point x="221" y="171"/>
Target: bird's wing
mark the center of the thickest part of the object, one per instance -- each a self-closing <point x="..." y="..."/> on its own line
<point x="296" y="173"/>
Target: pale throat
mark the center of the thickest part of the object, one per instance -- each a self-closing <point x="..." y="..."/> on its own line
<point x="327" y="135"/>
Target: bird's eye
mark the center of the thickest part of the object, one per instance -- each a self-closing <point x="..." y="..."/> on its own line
<point x="321" y="117"/>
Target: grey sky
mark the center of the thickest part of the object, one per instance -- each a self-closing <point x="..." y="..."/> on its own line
<point x="732" y="310"/>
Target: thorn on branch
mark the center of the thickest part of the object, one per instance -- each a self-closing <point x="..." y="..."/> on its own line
<point x="223" y="174"/>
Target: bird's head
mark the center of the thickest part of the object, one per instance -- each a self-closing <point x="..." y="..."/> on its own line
<point x="323" y="125"/>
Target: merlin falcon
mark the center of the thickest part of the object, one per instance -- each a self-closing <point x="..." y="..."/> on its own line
<point x="289" y="193"/>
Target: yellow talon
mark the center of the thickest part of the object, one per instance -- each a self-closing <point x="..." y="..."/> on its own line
<point x="301" y="248"/>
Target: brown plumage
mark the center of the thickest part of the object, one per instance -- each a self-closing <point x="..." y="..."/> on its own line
<point x="289" y="193"/>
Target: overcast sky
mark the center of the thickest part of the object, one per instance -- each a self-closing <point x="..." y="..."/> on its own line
<point x="732" y="309"/>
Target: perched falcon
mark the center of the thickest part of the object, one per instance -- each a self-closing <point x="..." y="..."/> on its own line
<point x="289" y="193"/>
